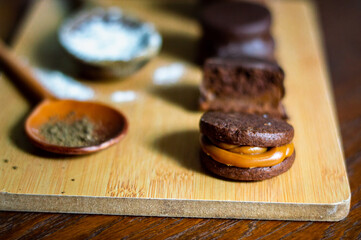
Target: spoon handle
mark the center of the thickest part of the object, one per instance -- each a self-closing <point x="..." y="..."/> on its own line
<point x="22" y="72"/>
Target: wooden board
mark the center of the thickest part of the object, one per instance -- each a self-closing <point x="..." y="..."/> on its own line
<point x="155" y="170"/>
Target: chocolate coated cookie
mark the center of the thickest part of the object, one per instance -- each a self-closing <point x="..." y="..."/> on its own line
<point x="236" y="20"/>
<point x="246" y="129"/>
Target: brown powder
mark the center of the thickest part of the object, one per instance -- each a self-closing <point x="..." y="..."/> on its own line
<point x="70" y="132"/>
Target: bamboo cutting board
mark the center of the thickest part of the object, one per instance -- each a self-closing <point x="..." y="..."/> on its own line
<point x="155" y="170"/>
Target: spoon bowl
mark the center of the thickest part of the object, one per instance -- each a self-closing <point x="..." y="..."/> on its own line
<point x="110" y="124"/>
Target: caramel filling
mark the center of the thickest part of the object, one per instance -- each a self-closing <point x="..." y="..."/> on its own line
<point x="239" y="149"/>
<point x="246" y="156"/>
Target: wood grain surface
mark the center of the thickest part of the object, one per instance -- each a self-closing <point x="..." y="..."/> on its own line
<point x="155" y="170"/>
<point x="342" y="42"/>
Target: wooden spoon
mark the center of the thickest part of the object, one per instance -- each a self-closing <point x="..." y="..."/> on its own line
<point x="110" y="124"/>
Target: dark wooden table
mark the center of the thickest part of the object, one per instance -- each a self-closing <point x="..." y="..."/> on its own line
<point x="340" y="22"/>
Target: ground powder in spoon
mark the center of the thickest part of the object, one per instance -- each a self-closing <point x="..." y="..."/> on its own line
<point x="70" y="132"/>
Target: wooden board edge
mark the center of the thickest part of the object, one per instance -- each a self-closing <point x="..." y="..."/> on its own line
<point x="316" y="30"/>
<point x="319" y="41"/>
<point x="174" y="207"/>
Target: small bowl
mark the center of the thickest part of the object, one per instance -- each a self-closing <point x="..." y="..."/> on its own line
<point x="107" y="43"/>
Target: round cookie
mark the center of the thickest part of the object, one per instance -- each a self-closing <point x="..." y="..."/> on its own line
<point x="246" y="174"/>
<point x="259" y="47"/>
<point x="236" y="20"/>
<point x="256" y="47"/>
<point x="246" y="129"/>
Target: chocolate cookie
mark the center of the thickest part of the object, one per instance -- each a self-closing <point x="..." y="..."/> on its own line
<point x="258" y="47"/>
<point x="235" y="19"/>
<point x="246" y="147"/>
<point x="246" y="129"/>
<point x="236" y="29"/>
<point x="246" y="85"/>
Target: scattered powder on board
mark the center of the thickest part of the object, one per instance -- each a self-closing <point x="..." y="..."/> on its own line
<point x="107" y="37"/>
<point x="123" y="96"/>
<point x="70" y="132"/>
<point x="168" y="74"/>
<point x="63" y="86"/>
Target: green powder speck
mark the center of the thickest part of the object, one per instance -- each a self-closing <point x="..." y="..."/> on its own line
<point x="70" y="132"/>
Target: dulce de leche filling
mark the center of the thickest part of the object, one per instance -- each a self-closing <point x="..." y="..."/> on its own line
<point x="245" y="156"/>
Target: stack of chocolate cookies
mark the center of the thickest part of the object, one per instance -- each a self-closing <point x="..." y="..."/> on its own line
<point x="240" y="71"/>
<point x="245" y="135"/>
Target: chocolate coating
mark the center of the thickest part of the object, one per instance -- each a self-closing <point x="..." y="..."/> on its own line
<point x="258" y="47"/>
<point x="246" y="129"/>
<point x="235" y="19"/>
<point x="244" y="76"/>
<point x="247" y="85"/>
<point x="246" y="174"/>
<point x="255" y="47"/>
<point x="248" y="63"/>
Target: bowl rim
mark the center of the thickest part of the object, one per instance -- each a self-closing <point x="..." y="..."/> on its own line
<point x="146" y="53"/>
